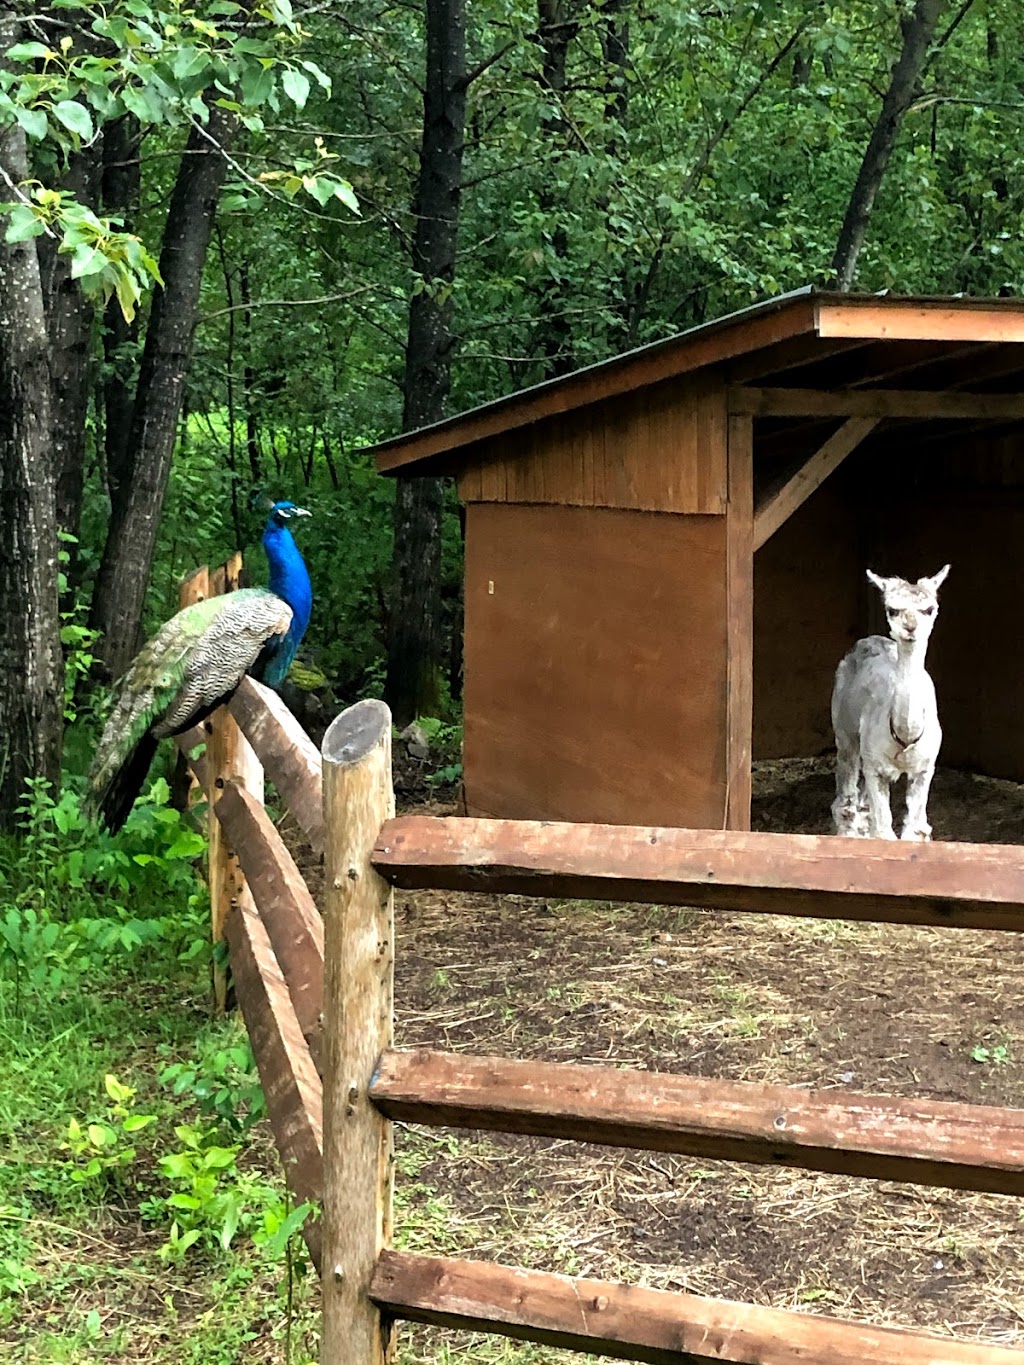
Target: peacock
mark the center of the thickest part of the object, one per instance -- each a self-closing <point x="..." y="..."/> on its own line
<point x="194" y="663"/>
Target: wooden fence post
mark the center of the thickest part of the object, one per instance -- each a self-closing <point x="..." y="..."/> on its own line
<point x="229" y="755"/>
<point x="185" y="787"/>
<point x="358" y="1026"/>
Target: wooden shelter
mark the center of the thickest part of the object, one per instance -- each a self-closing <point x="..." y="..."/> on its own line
<point x="665" y="553"/>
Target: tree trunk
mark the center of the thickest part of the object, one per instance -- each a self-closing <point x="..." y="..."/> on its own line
<point x="918" y="31"/>
<point x="69" y="319"/>
<point x="137" y="498"/>
<point x="414" y="644"/>
<point x="31" y="667"/>
<point x="558" y="23"/>
<point x="121" y="188"/>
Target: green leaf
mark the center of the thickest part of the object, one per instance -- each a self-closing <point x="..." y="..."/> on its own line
<point x="321" y="77"/>
<point x="33" y="121"/>
<point x="86" y="261"/>
<point x="296" y="87"/>
<point x="282" y="11"/>
<point x="134" y="1122"/>
<point x="28" y="52"/>
<point x="99" y="1134"/>
<point x="75" y="117"/>
<point x="344" y="192"/>
<point x="188" y="844"/>
<point x="183" y="1201"/>
<point x="23" y="224"/>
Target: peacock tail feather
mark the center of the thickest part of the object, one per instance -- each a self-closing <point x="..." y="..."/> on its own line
<point x="183" y="673"/>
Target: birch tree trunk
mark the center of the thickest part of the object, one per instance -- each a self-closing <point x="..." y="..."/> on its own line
<point x="31" y="666"/>
<point x="414" y="643"/>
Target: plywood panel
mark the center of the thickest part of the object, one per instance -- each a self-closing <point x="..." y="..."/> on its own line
<point x="662" y="449"/>
<point x="596" y="674"/>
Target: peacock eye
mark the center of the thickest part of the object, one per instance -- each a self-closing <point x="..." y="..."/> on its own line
<point x="927" y="611"/>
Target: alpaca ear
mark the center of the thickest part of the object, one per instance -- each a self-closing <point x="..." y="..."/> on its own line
<point x="936" y="581"/>
<point x="880" y="583"/>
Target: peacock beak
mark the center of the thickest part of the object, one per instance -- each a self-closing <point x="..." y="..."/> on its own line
<point x="301" y="512"/>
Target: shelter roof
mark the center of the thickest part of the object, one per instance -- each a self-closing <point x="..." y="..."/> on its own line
<point x="810" y="342"/>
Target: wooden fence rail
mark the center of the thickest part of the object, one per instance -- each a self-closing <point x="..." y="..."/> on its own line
<point x="970" y="886"/>
<point x="316" y="996"/>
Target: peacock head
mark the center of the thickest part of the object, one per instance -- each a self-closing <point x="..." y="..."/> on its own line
<point x="282" y="512"/>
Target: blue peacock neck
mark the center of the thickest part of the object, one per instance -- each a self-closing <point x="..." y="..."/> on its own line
<point x="289" y="579"/>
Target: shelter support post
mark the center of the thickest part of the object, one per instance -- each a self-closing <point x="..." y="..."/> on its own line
<point x="358" y="1027"/>
<point x="740" y="626"/>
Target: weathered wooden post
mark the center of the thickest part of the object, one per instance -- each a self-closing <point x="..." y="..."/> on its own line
<point x="358" y="1026"/>
<point x="229" y="755"/>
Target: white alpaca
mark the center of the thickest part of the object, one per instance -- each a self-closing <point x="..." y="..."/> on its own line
<point x="885" y="718"/>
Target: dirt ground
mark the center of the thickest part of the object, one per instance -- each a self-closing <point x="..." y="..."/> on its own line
<point x="873" y="1008"/>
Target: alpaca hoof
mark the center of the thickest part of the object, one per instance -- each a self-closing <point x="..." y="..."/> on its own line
<point x="921" y="835"/>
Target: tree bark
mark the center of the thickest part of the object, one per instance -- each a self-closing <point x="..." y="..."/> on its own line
<point x="121" y="189"/>
<point x="414" y="644"/>
<point x="69" y="319"/>
<point x="918" y="30"/>
<point x="558" y="23"/>
<point x="138" y="495"/>
<point x="31" y="666"/>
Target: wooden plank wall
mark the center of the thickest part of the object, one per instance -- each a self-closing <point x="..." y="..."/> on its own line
<point x="809" y="596"/>
<point x="661" y="449"/>
<point x="965" y="507"/>
<point x="596" y="665"/>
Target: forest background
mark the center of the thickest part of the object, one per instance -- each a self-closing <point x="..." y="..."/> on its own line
<point x="242" y="241"/>
<point x="245" y="241"/>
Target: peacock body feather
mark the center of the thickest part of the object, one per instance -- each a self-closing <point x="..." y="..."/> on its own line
<point x="193" y="664"/>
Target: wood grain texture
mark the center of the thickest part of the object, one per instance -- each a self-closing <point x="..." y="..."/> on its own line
<point x="783" y="499"/>
<point x="740" y="588"/>
<point x="877" y="403"/>
<point x="919" y="320"/>
<point x="286" y="908"/>
<point x="659" y="450"/>
<point x="588" y="632"/>
<point x="358" y="1026"/>
<point x="287" y="1074"/>
<point x="979" y="886"/>
<point x="808" y="587"/>
<point x="229" y="757"/>
<point x="286" y="751"/>
<point x="958" y="1146"/>
<point x="648" y="1325"/>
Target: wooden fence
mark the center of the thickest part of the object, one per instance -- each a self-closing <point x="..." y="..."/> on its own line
<point x="316" y="996"/>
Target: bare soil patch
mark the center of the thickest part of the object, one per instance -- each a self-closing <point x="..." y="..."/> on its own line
<point x="874" y="1008"/>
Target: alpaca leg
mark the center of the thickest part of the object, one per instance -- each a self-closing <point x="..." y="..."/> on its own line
<point x="844" y="807"/>
<point x="879" y="812"/>
<point x="916" y="826"/>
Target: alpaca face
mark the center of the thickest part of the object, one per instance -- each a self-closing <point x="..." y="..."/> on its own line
<point x="910" y="608"/>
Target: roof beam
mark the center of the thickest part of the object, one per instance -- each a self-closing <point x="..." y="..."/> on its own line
<point x="877" y="403"/>
<point x="782" y="500"/>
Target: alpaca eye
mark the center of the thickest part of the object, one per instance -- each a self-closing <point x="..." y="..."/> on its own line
<point x="927" y="611"/>
<point x="892" y="611"/>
